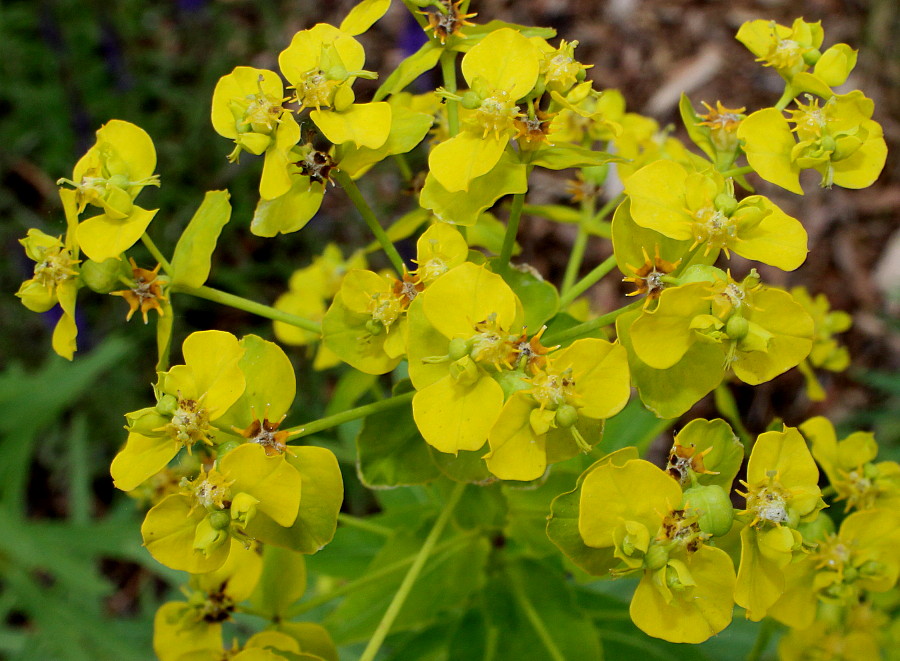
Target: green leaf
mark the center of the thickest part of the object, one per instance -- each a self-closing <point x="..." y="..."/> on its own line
<point x="561" y="157"/>
<point x="446" y="582"/>
<point x="391" y="450"/>
<point x="363" y="15"/>
<point x="282" y="583"/>
<point x="466" y="466"/>
<point x="555" y="212"/>
<point x="562" y="524"/>
<point x="402" y="228"/>
<point x="539" y="297"/>
<point x="533" y="610"/>
<point x="488" y="233"/>
<point x="322" y="492"/>
<point x="193" y="253"/>
<point x="529" y="507"/>
<point x="633" y="426"/>
<point x="481" y="507"/>
<point x="465" y="206"/>
<point x="475" y="33"/>
<point x="424" y="59"/>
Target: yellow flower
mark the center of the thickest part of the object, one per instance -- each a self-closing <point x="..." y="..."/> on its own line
<point x="501" y="69"/>
<point x="685" y="593"/>
<point x="557" y="416"/>
<point x="782" y="491"/>
<point x="190" y="398"/>
<point x="110" y="176"/>
<point x="321" y="64"/>
<point x="851" y="468"/>
<point x="191" y="530"/>
<point x="56" y="278"/>
<point x="463" y="330"/>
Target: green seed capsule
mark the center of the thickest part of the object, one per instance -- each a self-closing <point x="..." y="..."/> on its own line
<point x="717" y="513"/>
<point x="220" y="520"/>
<point x="566" y="416"/>
<point x="374" y="326"/>
<point x="459" y="348"/>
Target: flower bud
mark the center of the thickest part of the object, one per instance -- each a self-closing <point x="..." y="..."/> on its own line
<point x="714" y="505"/>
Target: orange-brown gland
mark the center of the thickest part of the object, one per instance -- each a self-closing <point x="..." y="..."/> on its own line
<point x="679" y="527"/>
<point x="648" y="277"/>
<point x="532" y="351"/>
<point x="407" y="289"/>
<point x="317" y="165"/>
<point x="531" y="132"/>
<point x="683" y="460"/>
<point x="145" y="294"/>
<point x="217" y="606"/>
<point x="266" y="434"/>
<point x="447" y="23"/>
<point x="581" y="189"/>
<point x="721" y="118"/>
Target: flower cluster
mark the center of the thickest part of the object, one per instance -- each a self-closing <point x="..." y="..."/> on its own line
<point x="497" y="376"/>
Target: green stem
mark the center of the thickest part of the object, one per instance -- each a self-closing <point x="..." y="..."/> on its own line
<point x="448" y="72"/>
<point x="403" y="166"/>
<point x="245" y="304"/>
<point x="364" y="524"/>
<point x="533" y="617"/>
<point x="409" y="580"/>
<point x="512" y="228"/>
<point x="155" y="252"/>
<point x="766" y="631"/>
<point x="577" y="255"/>
<point x="351" y="414"/>
<point x="734" y="172"/>
<point x="786" y="97"/>
<point x="589" y="327"/>
<point x="727" y="406"/>
<point x="349" y="186"/>
<point x="416" y="11"/>
<point x="587" y="281"/>
<point x="372" y="576"/>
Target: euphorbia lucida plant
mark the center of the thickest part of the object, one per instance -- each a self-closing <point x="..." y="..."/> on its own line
<point x="498" y="403"/>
